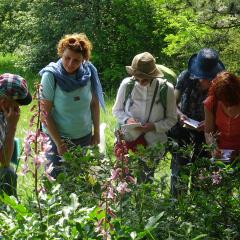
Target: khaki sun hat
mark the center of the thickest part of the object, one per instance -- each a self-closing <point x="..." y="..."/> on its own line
<point x="144" y="66"/>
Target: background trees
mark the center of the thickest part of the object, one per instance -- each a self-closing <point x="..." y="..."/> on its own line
<point x="172" y="30"/>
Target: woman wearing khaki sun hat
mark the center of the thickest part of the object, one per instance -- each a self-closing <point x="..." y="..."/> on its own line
<point x="143" y="104"/>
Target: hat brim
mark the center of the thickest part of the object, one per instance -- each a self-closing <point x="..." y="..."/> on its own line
<point x="155" y="74"/>
<point x="25" y="101"/>
<point x="197" y="73"/>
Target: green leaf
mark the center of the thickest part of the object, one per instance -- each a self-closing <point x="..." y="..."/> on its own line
<point x="152" y="221"/>
<point x="200" y="236"/>
<point x="12" y="202"/>
<point x="74" y="201"/>
<point x="220" y="164"/>
<point x="133" y="235"/>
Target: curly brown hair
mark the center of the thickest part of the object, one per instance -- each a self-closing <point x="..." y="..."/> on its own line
<point x="77" y="42"/>
<point x="225" y="87"/>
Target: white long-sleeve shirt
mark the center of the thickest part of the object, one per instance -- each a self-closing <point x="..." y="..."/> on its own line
<point x="138" y="107"/>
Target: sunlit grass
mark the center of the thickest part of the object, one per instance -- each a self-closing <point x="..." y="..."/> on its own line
<point x="7" y="65"/>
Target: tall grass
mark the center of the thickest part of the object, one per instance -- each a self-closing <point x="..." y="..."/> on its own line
<point x="8" y="65"/>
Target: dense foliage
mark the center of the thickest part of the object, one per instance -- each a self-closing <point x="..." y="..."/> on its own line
<point x="95" y="198"/>
<point x="172" y="30"/>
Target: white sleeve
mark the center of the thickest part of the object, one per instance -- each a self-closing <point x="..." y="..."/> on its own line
<point x="118" y="109"/>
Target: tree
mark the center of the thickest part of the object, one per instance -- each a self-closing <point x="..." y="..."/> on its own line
<point x="198" y="24"/>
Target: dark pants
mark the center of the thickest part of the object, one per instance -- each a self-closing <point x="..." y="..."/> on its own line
<point x="8" y="181"/>
<point x="146" y="172"/>
<point x="179" y="160"/>
<point x="53" y="157"/>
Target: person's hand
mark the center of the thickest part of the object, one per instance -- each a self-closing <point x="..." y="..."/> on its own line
<point x="200" y="127"/>
<point x="217" y="153"/>
<point x="12" y="115"/>
<point x="131" y="120"/>
<point x="95" y="138"/>
<point x="234" y="154"/>
<point x="182" y="118"/>
<point x="61" y="147"/>
<point x="147" y="127"/>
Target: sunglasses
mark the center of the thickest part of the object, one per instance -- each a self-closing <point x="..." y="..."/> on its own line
<point x="79" y="45"/>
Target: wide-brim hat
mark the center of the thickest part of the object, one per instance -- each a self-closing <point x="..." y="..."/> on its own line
<point x="205" y="65"/>
<point x="15" y="87"/>
<point x="144" y="66"/>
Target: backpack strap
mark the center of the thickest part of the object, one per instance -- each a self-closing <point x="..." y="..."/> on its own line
<point x="163" y="96"/>
<point x="153" y="100"/>
<point x="128" y="91"/>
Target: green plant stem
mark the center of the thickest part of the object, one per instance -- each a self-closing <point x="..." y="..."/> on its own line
<point x="37" y="195"/>
<point x="139" y="207"/>
<point x="150" y="235"/>
<point x="36" y="152"/>
<point x="121" y="208"/>
<point x="105" y="223"/>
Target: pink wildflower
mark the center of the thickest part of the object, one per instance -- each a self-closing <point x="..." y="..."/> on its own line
<point x="110" y="193"/>
<point x="46" y="146"/>
<point x="25" y="169"/>
<point x="99" y="225"/>
<point x="27" y="148"/>
<point x="131" y="179"/>
<point x="48" y="171"/>
<point x="39" y="159"/>
<point x="115" y="173"/>
<point x="122" y="188"/>
<point x="110" y="212"/>
<point x="105" y="234"/>
<point x="42" y="191"/>
<point x="216" y="178"/>
<point x="126" y="170"/>
<point x="125" y="159"/>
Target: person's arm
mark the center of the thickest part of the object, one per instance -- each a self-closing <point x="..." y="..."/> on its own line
<point x="178" y="96"/>
<point x="118" y="109"/>
<point x="171" y="112"/>
<point x="209" y="127"/>
<point x="95" y="111"/>
<point x="182" y="82"/>
<point x="50" y="125"/>
<point x="48" y="88"/>
<point x="12" y="117"/>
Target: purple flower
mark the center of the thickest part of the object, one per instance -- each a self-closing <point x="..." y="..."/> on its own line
<point x="48" y="171"/>
<point x="115" y="173"/>
<point x="39" y="159"/>
<point x="216" y="178"/>
<point x="131" y="179"/>
<point x="122" y="188"/>
<point x="110" y="193"/>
